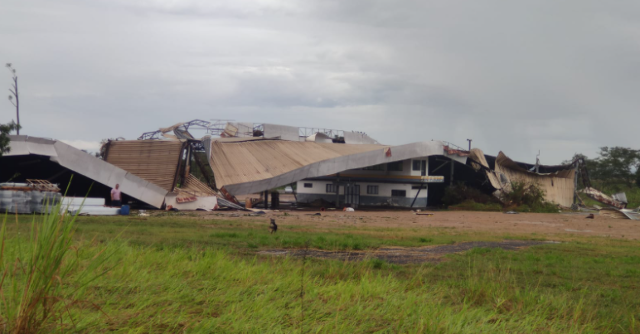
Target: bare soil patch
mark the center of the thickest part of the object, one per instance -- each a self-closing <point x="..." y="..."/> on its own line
<point x="403" y="255"/>
<point x="546" y="225"/>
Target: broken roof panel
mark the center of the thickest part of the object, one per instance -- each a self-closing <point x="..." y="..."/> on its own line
<point x="89" y="166"/>
<point x="250" y="161"/>
<point x="283" y="132"/>
<point x="155" y="161"/>
<point x="359" y="138"/>
<point x="250" y="167"/>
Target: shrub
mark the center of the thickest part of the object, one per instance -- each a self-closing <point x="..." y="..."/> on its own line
<point x="527" y="197"/>
<point x="35" y="272"/>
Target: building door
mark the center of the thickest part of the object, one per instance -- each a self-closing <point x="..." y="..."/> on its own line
<point x="352" y="195"/>
<point x="423" y="169"/>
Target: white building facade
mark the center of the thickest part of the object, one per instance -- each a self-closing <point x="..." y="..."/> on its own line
<point x="401" y="184"/>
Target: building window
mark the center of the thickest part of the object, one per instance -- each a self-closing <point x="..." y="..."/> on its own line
<point x="419" y="187"/>
<point x="395" y="166"/>
<point x="398" y="193"/>
<point x="376" y="167"/>
<point x="372" y="190"/>
<point x="417" y="165"/>
<point x="308" y="185"/>
<point x="331" y="188"/>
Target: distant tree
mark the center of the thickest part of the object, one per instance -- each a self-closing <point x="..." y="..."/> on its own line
<point x="591" y="165"/>
<point x="617" y="165"/>
<point x="5" y="130"/>
<point x="15" y="95"/>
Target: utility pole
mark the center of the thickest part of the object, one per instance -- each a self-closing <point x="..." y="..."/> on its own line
<point x="469" y="140"/>
<point x="15" y="95"/>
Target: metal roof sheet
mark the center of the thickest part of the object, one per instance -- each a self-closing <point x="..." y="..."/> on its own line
<point x="234" y="163"/>
<point x="153" y="160"/>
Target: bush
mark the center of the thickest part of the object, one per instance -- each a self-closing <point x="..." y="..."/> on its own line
<point x="527" y="197"/>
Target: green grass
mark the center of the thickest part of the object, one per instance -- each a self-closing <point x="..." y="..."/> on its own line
<point x="174" y="274"/>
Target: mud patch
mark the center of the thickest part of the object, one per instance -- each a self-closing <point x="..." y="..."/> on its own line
<point x="403" y="255"/>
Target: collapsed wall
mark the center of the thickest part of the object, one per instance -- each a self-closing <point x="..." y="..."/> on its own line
<point x="558" y="186"/>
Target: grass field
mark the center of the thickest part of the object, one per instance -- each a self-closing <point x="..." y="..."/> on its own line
<point x="175" y="274"/>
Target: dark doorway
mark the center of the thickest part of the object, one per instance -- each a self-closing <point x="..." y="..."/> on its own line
<point x="352" y="195"/>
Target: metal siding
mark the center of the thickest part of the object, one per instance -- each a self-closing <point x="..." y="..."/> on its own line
<point x="281" y="131"/>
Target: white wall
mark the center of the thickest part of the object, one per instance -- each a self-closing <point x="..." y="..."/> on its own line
<point x="384" y="189"/>
<point x="407" y="170"/>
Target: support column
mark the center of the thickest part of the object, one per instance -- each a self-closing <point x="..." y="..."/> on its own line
<point x="338" y="191"/>
<point x="451" y="180"/>
<point x="266" y="199"/>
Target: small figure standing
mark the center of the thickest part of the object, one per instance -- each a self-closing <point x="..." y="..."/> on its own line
<point x="116" y="196"/>
<point x="272" y="226"/>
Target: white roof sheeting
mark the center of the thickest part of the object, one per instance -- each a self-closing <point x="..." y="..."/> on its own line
<point x="274" y="169"/>
<point x="89" y="166"/>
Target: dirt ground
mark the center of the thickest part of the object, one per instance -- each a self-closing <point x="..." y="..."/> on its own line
<point x="544" y="224"/>
<point x="402" y="255"/>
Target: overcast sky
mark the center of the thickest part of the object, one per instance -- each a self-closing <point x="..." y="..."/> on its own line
<point x="518" y="76"/>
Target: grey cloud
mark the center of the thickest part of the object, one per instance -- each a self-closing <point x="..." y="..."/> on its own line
<point x="559" y="77"/>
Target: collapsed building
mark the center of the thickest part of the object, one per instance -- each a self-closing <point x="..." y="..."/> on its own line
<point x="173" y="168"/>
<point x="557" y="182"/>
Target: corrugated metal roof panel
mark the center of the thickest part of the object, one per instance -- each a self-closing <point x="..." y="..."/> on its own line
<point x="155" y="161"/>
<point x="235" y="163"/>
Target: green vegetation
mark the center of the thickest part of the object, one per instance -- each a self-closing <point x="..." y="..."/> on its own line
<point x="184" y="274"/>
<point x="523" y="197"/>
<point x="40" y="280"/>
<point x="5" y="130"/>
<point x="616" y="169"/>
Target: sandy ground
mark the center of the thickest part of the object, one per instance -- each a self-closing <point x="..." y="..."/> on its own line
<point x="565" y="224"/>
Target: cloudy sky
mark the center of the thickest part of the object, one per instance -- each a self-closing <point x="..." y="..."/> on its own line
<point x="518" y="76"/>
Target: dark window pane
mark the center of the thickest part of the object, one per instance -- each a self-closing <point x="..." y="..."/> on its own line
<point x="417" y="164"/>
<point x="398" y="193"/>
<point x="308" y="185"/>
<point x="395" y="166"/>
<point x="331" y="188"/>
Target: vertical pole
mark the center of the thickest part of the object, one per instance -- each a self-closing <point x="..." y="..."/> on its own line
<point x="451" y="180"/>
<point x="338" y="191"/>
<point x="15" y="80"/>
<point x="469" y="140"/>
<point x="575" y="183"/>
<point x="266" y="199"/>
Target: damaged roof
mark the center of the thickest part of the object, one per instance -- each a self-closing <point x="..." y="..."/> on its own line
<point x="153" y="160"/>
<point x="89" y="166"/>
<point x="248" y="161"/>
<point x="250" y="167"/>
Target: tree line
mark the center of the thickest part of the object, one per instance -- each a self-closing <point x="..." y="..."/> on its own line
<point x="614" y="167"/>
